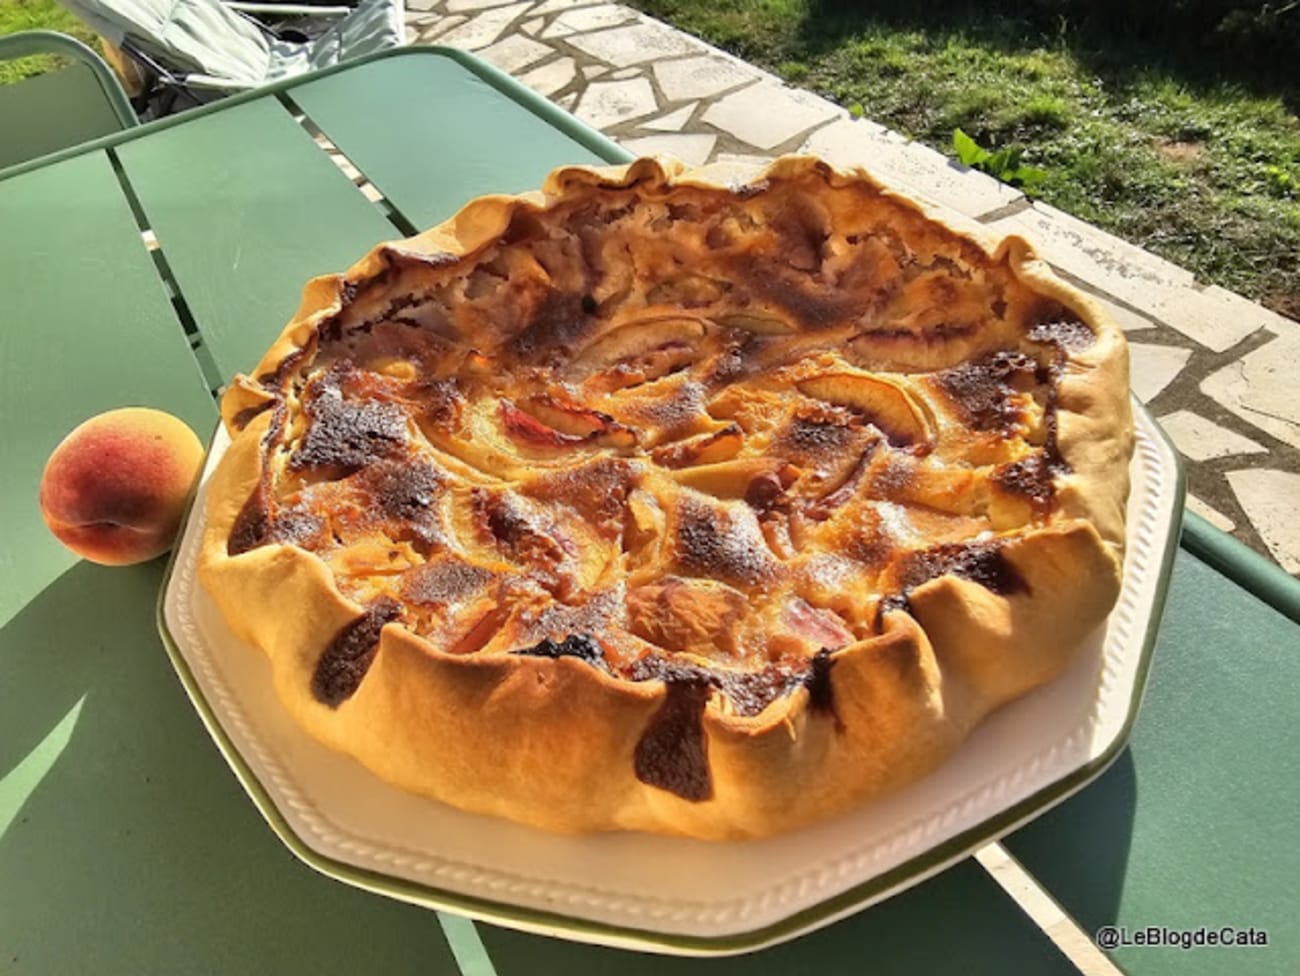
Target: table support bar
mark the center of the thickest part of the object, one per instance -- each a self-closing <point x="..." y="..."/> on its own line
<point x="1254" y="573"/>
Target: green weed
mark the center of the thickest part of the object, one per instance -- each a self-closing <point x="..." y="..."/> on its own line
<point x="792" y="71"/>
<point x="1004" y="165"/>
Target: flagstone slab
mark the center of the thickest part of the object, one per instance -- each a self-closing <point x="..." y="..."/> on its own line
<point x="584" y="19"/>
<point x="674" y="121"/>
<point x="1201" y="439"/>
<point x="439" y="27"/>
<point x="743" y="165"/>
<point x="1262" y="388"/>
<point x="1215" y="317"/>
<point x="1271" y="500"/>
<point x="769" y="113"/>
<point x="484" y="28"/>
<point x="606" y="103"/>
<point x="1153" y="367"/>
<point x="551" y="77"/>
<point x="556" y="31"/>
<point x="691" y="148"/>
<point x="1125" y="318"/>
<point x="554" y="6"/>
<point x="845" y="140"/>
<point x="636" y="43"/>
<point x="460" y="6"/>
<point x="514" y="52"/>
<point x="417" y="26"/>
<point x="702" y="77"/>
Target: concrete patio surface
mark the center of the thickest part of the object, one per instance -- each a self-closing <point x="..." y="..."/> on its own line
<point x="1214" y="368"/>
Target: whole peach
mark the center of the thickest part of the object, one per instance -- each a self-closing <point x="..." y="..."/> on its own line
<point x="114" y="489"/>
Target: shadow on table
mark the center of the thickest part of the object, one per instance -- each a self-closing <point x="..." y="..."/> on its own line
<point x="126" y="845"/>
<point x="82" y="640"/>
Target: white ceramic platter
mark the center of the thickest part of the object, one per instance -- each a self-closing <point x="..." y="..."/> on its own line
<point x="670" y="895"/>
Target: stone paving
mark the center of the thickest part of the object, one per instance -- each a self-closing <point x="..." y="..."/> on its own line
<point x="1212" y="367"/>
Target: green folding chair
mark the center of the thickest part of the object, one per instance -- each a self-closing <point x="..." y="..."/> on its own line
<point x="48" y="112"/>
<point x="201" y="50"/>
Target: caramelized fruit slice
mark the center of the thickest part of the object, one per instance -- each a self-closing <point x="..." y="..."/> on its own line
<point x="885" y="404"/>
<point x="636" y="338"/>
<point x="720" y="445"/>
<point x="729" y="479"/>
<point x="564" y="414"/>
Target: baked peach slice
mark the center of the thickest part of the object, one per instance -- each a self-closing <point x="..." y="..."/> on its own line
<point x="730" y="479"/>
<point x="708" y="448"/>
<point x="548" y="422"/>
<point x="883" y="403"/>
<point x="637" y="339"/>
<point x="803" y="629"/>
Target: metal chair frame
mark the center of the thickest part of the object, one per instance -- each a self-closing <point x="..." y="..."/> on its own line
<point x="27" y="43"/>
<point x="100" y="104"/>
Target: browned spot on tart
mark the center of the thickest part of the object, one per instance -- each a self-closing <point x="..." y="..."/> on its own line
<point x="982" y="389"/>
<point x="722" y="544"/>
<point x="673" y="752"/>
<point x="979" y="562"/>
<point x="347" y="434"/>
<point x="348" y="656"/>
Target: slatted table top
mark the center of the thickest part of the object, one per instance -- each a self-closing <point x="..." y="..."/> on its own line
<point x="127" y="846"/>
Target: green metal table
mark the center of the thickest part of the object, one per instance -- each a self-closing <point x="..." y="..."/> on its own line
<point x="126" y="845"/>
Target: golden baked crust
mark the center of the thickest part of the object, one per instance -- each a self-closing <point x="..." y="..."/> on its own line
<point x="646" y="502"/>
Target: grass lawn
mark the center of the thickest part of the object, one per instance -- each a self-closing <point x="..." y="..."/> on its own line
<point x="20" y="15"/>
<point x="1191" y="153"/>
